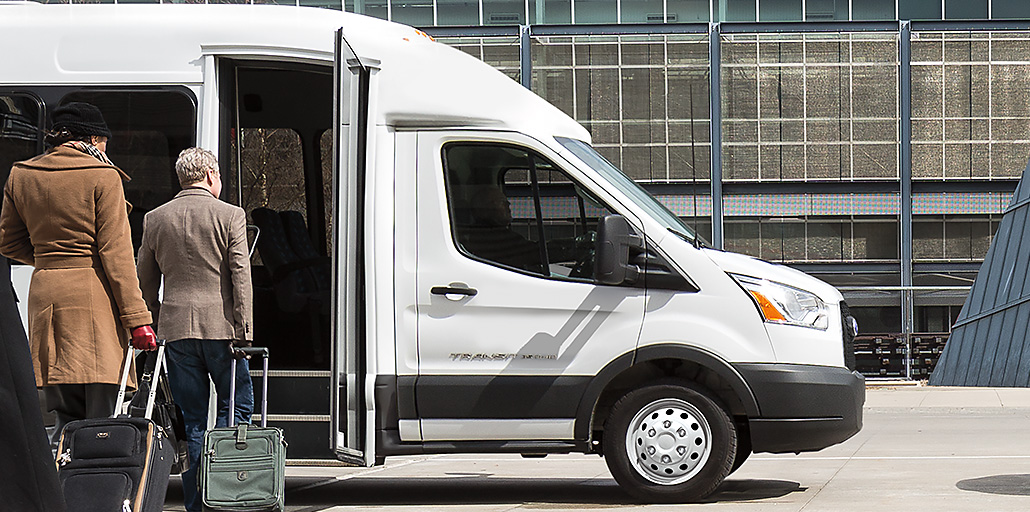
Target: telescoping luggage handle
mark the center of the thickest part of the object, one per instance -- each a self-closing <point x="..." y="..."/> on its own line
<point x="152" y="396"/>
<point x="250" y="351"/>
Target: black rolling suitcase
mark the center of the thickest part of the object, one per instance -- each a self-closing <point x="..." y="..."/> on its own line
<point x="118" y="464"/>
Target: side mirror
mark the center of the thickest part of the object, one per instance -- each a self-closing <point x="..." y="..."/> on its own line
<point x="613" y="244"/>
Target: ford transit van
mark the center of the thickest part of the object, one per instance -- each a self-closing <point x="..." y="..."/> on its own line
<point x="444" y="263"/>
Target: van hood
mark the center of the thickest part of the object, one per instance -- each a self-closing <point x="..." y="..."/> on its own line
<point x="734" y="263"/>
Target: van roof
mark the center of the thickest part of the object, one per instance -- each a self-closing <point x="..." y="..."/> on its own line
<point x="421" y="82"/>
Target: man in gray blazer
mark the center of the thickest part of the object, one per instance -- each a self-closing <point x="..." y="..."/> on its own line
<point x="199" y="244"/>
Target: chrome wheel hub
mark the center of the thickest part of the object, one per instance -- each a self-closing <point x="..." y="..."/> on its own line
<point x="669" y="441"/>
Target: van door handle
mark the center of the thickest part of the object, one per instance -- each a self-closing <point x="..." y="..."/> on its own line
<point x="453" y="290"/>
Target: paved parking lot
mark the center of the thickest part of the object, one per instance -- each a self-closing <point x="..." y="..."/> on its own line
<point x="942" y="449"/>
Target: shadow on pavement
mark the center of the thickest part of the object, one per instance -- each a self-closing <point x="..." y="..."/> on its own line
<point x="1012" y="485"/>
<point x="750" y="490"/>
<point x="483" y="489"/>
<point x="307" y="493"/>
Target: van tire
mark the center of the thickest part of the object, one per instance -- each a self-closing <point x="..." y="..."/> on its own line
<point x="743" y="450"/>
<point x="683" y="458"/>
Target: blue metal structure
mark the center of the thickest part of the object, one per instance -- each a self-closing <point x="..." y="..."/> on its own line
<point x="990" y="342"/>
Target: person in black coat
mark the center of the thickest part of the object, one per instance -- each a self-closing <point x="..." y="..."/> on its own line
<point x="28" y="475"/>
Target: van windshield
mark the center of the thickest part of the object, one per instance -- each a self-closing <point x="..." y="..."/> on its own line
<point x="630" y="188"/>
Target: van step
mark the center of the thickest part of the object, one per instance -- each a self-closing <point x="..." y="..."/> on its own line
<point x="294" y="392"/>
<point x="323" y="374"/>
<point x="306" y="439"/>
<point x="282" y="418"/>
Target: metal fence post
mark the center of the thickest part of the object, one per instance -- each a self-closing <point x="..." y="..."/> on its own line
<point x="905" y="227"/>
<point x="715" y="97"/>
<point x="525" y="58"/>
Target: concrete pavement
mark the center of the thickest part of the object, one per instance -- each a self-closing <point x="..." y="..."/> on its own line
<point x="922" y="448"/>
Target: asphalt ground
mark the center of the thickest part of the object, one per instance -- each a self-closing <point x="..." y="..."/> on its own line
<point x="921" y="448"/>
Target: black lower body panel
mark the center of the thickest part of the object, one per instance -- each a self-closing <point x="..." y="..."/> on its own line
<point x="803" y="408"/>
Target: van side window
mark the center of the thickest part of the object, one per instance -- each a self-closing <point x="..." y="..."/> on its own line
<point x="148" y="131"/>
<point x="513" y="208"/>
<point x="271" y="170"/>
<point x="20" y="131"/>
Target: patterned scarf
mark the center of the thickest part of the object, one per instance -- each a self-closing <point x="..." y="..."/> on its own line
<point x="89" y="149"/>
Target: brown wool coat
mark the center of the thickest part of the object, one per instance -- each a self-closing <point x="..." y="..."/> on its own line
<point x="64" y="212"/>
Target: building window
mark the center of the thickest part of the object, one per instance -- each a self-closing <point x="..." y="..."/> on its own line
<point x="1010" y="9"/>
<point x="687" y="11"/>
<point x="810" y="106"/>
<point x="812" y="239"/>
<point x="952" y="238"/>
<point x="324" y="4"/>
<point x="826" y="10"/>
<point x="643" y="11"/>
<point x="457" y="12"/>
<point x="643" y="98"/>
<point x="965" y="9"/>
<point x="500" y="52"/>
<point x="595" y="11"/>
<point x="550" y="12"/>
<point x="970" y="105"/>
<point x="417" y="13"/>
<point x="873" y="10"/>
<point x="504" y="12"/>
<point x="377" y="8"/>
<point x="919" y="10"/>
<point x="737" y="10"/>
<point x="780" y="10"/>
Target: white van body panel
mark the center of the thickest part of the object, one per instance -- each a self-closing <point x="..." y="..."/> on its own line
<point x="380" y="274"/>
<point x="404" y="229"/>
<point x="21" y="276"/>
<point x="700" y="319"/>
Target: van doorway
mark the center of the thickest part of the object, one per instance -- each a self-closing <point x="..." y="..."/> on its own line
<point x="275" y="154"/>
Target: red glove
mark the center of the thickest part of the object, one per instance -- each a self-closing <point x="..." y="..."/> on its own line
<point x="143" y="338"/>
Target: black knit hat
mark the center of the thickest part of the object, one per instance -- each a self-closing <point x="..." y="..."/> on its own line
<point x="80" y="119"/>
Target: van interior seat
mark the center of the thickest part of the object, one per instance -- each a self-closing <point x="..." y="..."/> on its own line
<point x="295" y="286"/>
<point x="309" y="258"/>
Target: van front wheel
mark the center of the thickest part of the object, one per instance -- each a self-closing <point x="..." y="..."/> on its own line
<point x="669" y="443"/>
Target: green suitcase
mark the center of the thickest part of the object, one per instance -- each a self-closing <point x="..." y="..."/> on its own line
<point x="243" y="467"/>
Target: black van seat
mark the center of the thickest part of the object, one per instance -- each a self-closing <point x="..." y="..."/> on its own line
<point x="318" y="265"/>
<point x="295" y="286"/>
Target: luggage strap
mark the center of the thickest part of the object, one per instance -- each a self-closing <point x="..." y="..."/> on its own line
<point x="156" y="374"/>
<point x="241" y="436"/>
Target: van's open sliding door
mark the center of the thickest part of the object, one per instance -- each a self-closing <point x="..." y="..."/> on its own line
<point x="350" y="413"/>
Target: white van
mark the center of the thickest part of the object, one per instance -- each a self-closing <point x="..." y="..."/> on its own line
<point x="444" y="262"/>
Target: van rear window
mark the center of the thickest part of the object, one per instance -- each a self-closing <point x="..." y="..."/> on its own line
<point x="149" y="128"/>
<point x="20" y="130"/>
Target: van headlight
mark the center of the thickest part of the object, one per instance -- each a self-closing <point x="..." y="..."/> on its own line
<point x="782" y="304"/>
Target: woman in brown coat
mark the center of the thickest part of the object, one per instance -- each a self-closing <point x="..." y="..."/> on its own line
<point x="64" y="212"/>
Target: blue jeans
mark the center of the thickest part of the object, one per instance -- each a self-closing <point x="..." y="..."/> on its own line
<point x="190" y="363"/>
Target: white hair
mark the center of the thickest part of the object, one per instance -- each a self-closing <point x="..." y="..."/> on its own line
<point x="193" y="165"/>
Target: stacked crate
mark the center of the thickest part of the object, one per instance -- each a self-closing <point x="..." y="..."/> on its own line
<point x="881" y="355"/>
<point x="897" y="356"/>
<point x="925" y="350"/>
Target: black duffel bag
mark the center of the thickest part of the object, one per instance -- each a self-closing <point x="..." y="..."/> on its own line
<point x="166" y="414"/>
